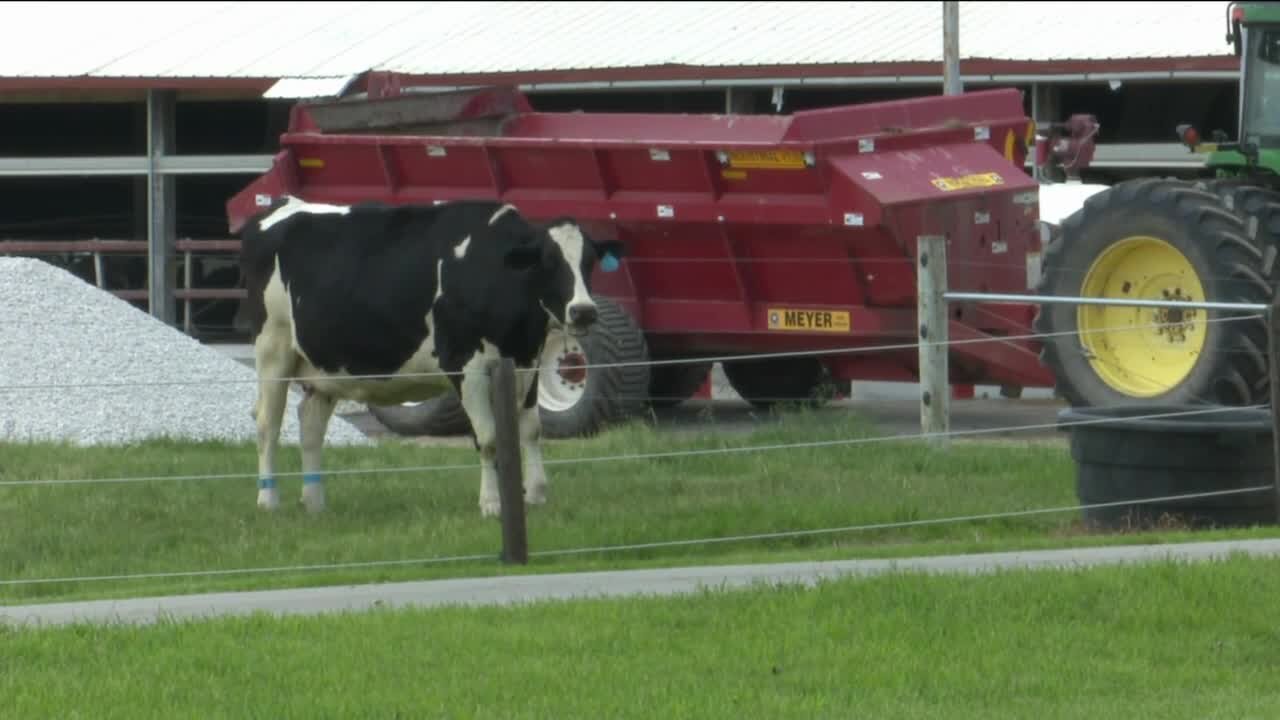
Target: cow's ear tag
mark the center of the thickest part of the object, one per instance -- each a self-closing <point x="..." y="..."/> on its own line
<point x="609" y="263"/>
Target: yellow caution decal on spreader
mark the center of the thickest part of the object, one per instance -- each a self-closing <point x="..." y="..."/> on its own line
<point x="968" y="182"/>
<point x="767" y="160"/>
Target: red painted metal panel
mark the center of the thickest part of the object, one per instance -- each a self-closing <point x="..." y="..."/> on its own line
<point x="651" y="129"/>
<point x="729" y="251"/>
<point x="1008" y="362"/>
<point x="942" y="174"/>
<point x="979" y="108"/>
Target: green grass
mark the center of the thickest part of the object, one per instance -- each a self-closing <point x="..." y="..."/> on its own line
<point x="165" y="527"/>
<point x="1163" y="641"/>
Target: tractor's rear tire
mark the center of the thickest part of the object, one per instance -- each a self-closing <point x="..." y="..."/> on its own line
<point x="1155" y="239"/>
<point x="772" y="381"/>
<point x="1258" y="208"/>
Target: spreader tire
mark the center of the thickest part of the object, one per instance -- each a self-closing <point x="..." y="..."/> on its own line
<point x="1155" y="239"/>
<point x="768" y="382"/>
<point x="670" y="385"/>
<point x="439" y="416"/>
<point x="576" y="402"/>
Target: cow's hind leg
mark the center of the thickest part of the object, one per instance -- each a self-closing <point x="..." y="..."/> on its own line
<point x="274" y="359"/>
<point x="535" y="478"/>
<point x="314" y="413"/>
<point x="474" y="392"/>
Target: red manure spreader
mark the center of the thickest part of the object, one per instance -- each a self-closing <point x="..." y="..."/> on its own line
<point x="744" y="234"/>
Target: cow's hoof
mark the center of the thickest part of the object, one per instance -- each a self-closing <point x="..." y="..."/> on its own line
<point x="313" y="498"/>
<point x="491" y="507"/>
<point x="268" y="500"/>
<point x="536" y="497"/>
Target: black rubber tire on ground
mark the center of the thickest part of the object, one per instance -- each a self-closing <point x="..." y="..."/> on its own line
<point x="1232" y="370"/>
<point x="670" y="385"/>
<point x="769" y="382"/>
<point x="440" y="416"/>
<point x="1012" y="392"/>
<point x="1123" y="457"/>
<point x="612" y="394"/>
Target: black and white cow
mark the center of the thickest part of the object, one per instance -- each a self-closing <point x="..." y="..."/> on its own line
<point x="355" y="300"/>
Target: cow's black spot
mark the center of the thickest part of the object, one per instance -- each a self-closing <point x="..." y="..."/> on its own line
<point x="362" y="283"/>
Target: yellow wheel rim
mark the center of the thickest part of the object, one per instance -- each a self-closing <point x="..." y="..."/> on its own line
<point x="1142" y="352"/>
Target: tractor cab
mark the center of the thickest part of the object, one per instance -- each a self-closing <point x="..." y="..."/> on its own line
<point x="1255" y="33"/>
<point x="1254" y="30"/>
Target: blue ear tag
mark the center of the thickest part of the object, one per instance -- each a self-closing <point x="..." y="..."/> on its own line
<point x="609" y="263"/>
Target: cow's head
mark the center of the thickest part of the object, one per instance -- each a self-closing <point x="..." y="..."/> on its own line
<point x="562" y="257"/>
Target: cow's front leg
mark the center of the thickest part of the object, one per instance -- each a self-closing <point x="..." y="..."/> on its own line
<point x="535" y="478"/>
<point x="475" y="401"/>
<point x="314" y="413"/>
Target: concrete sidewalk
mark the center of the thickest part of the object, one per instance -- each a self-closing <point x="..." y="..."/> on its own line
<point x="525" y="588"/>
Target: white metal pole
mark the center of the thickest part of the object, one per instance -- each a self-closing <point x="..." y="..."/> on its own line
<point x="951" y="84"/>
<point x="935" y="385"/>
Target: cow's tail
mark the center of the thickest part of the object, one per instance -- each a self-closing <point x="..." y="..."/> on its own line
<point x="255" y="272"/>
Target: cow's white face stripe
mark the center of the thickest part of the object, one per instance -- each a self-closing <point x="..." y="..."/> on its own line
<point x="461" y="250"/>
<point x="501" y="211"/>
<point x="571" y="243"/>
<point x="294" y="205"/>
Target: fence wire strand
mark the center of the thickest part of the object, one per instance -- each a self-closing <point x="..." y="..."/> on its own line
<point x="634" y="363"/>
<point x="857" y="263"/>
<point x="701" y="452"/>
<point x="650" y="456"/>
<point x="372" y="564"/>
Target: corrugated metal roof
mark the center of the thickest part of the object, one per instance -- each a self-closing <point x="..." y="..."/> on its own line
<point x="339" y="40"/>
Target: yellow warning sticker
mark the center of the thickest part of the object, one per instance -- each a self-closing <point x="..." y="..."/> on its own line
<point x="767" y="159"/>
<point x="968" y="182"/>
<point x="815" y="320"/>
<point x="310" y="162"/>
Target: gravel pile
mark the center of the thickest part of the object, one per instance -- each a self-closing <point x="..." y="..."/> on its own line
<point x="58" y="332"/>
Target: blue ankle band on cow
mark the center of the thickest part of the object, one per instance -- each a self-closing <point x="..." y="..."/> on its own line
<point x="266" y="483"/>
<point x="310" y="478"/>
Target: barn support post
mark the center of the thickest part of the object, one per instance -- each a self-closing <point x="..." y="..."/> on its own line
<point x="515" y="541"/>
<point x="931" y="306"/>
<point x="188" y="275"/>
<point x="740" y="101"/>
<point x="1273" y="346"/>
<point x="161" y="209"/>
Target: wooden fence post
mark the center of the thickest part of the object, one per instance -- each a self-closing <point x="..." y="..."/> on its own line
<point x="931" y="307"/>
<point x="1273" y="363"/>
<point x="515" y="540"/>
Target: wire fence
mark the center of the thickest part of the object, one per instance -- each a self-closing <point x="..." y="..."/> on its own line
<point x="867" y="261"/>
<point x="636" y="457"/>
<point x="691" y="360"/>
<point x="631" y="547"/>
<point x="668" y="455"/>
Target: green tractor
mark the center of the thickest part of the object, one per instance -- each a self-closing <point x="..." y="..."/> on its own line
<point x="1212" y="238"/>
